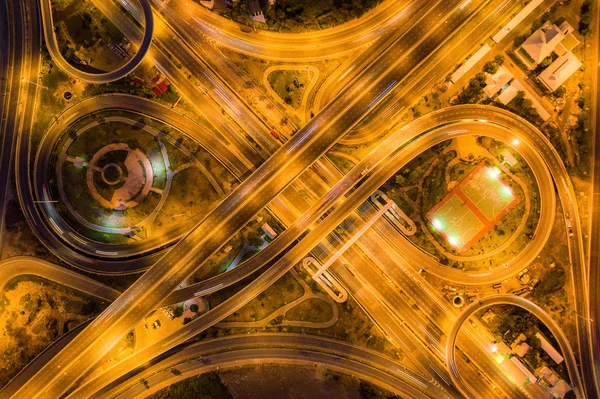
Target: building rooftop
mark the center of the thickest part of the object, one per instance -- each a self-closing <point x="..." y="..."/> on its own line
<point x="497" y="81"/>
<point x="550" y="350"/>
<point x="543" y="41"/>
<point x="560" y="389"/>
<point x="560" y="70"/>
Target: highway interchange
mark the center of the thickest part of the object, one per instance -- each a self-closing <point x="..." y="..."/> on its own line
<point x="389" y="69"/>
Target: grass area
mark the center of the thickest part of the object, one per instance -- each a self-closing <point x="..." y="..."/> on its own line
<point x="289" y="86"/>
<point x="433" y="171"/>
<point x="184" y="201"/>
<point x="282" y="292"/>
<point x="220" y="261"/>
<point x="34" y="313"/>
<point x="312" y="310"/>
<point x="82" y="30"/>
<point x="304" y="15"/>
<point x="208" y="385"/>
<point x="526" y="55"/>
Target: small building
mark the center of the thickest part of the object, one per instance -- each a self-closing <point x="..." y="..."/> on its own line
<point x="544" y="40"/>
<point x="548" y="375"/>
<point x="521" y="349"/>
<point x="494" y="83"/>
<point x="256" y="13"/>
<point x="560" y="70"/>
<point x="547" y="346"/>
<point x="526" y="375"/>
<point x="560" y="389"/>
<point x="269" y="231"/>
<point x="509" y="158"/>
<point x="488" y="316"/>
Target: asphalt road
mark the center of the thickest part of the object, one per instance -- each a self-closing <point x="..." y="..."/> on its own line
<point x="231" y="214"/>
<point x="298" y="47"/>
<point x="411" y="383"/>
<point x="377" y="162"/>
<point x="544" y="317"/>
<point x="107" y="77"/>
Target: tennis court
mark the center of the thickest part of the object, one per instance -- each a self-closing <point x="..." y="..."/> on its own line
<point x="473" y="207"/>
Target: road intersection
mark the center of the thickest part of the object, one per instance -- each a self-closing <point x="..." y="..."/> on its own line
<point x="260" y="186"/>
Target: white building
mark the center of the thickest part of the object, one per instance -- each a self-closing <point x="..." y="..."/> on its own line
<point x="547" y="346"/>
<point x="560" y="70"/>
<point x="544" y="40"/>
<point x="497" y="81"/>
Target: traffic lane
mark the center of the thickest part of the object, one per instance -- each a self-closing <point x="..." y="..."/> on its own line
<point x="435" y="69"/>
<point x="399" y="322"/>
<point x="527" y="305"/>
<point x="170" y="280"/>
<point x="302" y="47"/>
<point x="390" y="145"/>
<point x="301" y="342"/>
<point x="13" y="267"/>
<point x="62" y="63"/>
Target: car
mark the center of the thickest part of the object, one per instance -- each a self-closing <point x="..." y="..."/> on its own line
<point x="157" y="323"/>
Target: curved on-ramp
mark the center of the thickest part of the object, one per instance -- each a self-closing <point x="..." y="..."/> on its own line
<point x="381" y="163"/>
<point x="261" y="348"/>
<point x="107" y="77"/>
<point x="544" y="317"/>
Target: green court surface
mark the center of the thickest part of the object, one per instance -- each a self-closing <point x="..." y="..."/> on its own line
<point x="473" y="207"/>
<point x="487" y="191"/>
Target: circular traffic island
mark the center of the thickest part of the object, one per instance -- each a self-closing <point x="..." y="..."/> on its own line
<point x="474" y="200"/>
<point x="120" y="179"/>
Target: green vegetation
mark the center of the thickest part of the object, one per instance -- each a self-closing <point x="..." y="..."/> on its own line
<point x="552" y="282"/>
<point x="282" y="292"/>
<point x="289" y="86"/>
<point x="492" y="66"/>
<point x="302" y="15"/>
<point x="526" y="55"/>
<point x="84" y="33"/>
<point x="33" y="313"/>
<point x="586" y="18"/>
<point x="523" y="107"/>
<point x="204" y="386"/>
<point x="473" y="92"/>
<point x="312" y="310"/>
<point x="370" y="391"/>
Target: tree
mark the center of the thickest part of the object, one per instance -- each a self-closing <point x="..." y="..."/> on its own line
<point x="194" y="307"/>
<point x="491" y="67"/>
<point x="178" y="312"/>
<point x="254" y="239"/>
<point x="560" y="92"/>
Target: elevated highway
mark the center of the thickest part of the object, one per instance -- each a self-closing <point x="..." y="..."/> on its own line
<point x="107" y="77"/>
<point x="544" y="317"/>
<point x="381" y="164"/>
